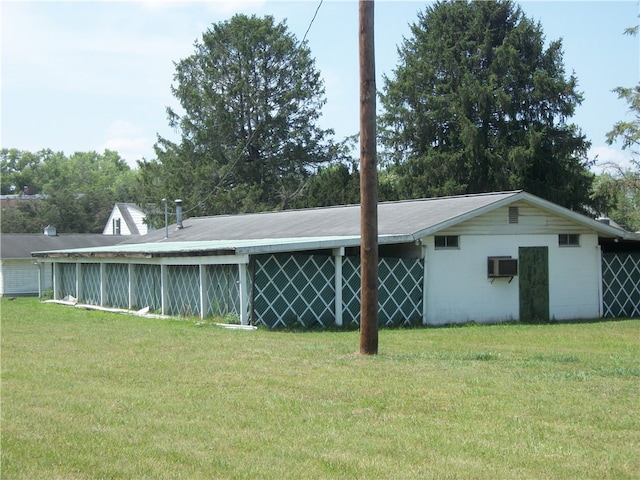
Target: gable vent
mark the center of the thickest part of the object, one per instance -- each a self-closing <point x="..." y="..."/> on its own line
<point x="513" y="214"/>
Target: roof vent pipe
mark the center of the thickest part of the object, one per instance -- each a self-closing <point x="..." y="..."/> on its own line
<point x="179" y="214"/>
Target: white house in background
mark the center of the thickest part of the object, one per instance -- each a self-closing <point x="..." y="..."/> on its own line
<point x="126" y="219"/>
<point x="490" y="257"/>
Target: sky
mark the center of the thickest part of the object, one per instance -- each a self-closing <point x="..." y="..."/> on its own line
<point x="80" y="76"/>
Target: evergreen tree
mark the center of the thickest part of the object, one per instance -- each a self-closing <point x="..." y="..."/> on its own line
<point x="251" y="96"/>
<point x="477" y="103"/>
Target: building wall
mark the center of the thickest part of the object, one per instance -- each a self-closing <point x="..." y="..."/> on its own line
<point x="20" y="277"/>
<point x="138" y="217"/>
<point x="459" y="290"/>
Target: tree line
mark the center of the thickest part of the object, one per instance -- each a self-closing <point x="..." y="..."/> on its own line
<point x="478" y="102"/>
<point x="75" y="194"/>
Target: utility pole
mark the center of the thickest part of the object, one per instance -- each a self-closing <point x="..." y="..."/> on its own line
<point x="368" y="185"/>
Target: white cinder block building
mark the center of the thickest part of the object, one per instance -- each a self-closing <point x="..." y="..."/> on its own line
<point x="495" y="257"/>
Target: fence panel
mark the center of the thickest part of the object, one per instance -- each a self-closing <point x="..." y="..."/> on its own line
<point x="90" y="283"/>
<point x="116" y="278"/>
<point x="67" y="286"/>
<point x="399" y="291"/>
<point x="621" y="284"/>
<point x="147" y="284"/>
<point x="183" y="290"/>
<point x="223" y="290"/>
<point x="294" y="290"/>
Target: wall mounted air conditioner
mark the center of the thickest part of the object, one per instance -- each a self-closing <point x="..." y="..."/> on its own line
<point x="502" y="267"/>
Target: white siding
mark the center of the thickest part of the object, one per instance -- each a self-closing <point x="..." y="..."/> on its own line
<point x="459" y="290"/>
<point x="137" y="216"/>
<point x="531" y="220"/>
<point x="19" y="277"/>
<point x="108" y="228"/>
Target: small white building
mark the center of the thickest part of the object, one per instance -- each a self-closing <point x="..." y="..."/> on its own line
<point x="126" y="219"/>
<point x="21" y="274"/>
<point x="494" y="257"/>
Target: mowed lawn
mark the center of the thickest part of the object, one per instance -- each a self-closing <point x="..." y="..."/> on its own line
<point x="92" y="395"/>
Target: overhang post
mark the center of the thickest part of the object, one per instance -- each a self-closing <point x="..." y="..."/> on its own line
<point x="103" y="289"/>
<point x="424" y="284"/>
<point x="244" y="294"/>
<point x="78" y="282"/>
<point x="204" y="299"/>
<point x="130" y="289"/>
<point x="55" y="274"/>
<point x="338" y="253"/>
<point x="40" y="279"/>
<point x="164" y="285"/>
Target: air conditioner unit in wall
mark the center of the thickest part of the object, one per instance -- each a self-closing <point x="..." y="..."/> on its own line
<point x="502" y="267"/>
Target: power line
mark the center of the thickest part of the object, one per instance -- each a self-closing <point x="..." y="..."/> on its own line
<point x="311" y="23"/>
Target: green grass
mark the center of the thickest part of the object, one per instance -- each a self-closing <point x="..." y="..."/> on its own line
<point x="90" y="395"/>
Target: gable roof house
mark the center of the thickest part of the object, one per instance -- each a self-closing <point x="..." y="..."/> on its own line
<point x="494" y="257"/>
<point x="126" y="219"/>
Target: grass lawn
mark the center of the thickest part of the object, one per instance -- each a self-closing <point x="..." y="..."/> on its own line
<point x="91" y="395"/>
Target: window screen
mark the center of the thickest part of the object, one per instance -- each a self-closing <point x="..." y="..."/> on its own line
<point x="446" y="241"/>
<point x="569" y="240"/>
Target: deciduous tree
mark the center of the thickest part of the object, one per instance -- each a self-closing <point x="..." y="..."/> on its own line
<point x="76" y="193"/>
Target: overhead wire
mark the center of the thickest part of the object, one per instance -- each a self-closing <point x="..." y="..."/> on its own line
<point x="312" y="20"/>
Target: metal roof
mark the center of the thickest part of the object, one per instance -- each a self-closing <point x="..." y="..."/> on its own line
<point x="217" y="247"/>
<point x="330" y="227"/>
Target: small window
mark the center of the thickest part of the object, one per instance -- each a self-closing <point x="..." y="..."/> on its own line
<point x="116" y="226"/>
<point x="447" y="241"/>
<point x="569" y="240"/>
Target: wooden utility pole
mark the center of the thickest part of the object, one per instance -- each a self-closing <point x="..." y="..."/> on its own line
<point x="368" y="185"/>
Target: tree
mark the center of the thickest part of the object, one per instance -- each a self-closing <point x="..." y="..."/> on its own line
<point x="76" y="193"/>
<point x="477" y="103"/>
<point x="619" y="187"/>
<point x="337" y="184"/>
<point x="251" y="97"/>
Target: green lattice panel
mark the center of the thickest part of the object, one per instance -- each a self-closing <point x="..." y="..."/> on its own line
<point x="183" y="294"/>
<point x="116" y="285"/>
<point x="223" y="290"/>
<point x="67" y="286"/>
<point x="292" y="290"/>
<point x="351" y="291"/>
<point x="621" y="284"/>
<point x="399" y="291"/>
<point x="147" y="284"/>
<point x="90" y="283"/>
